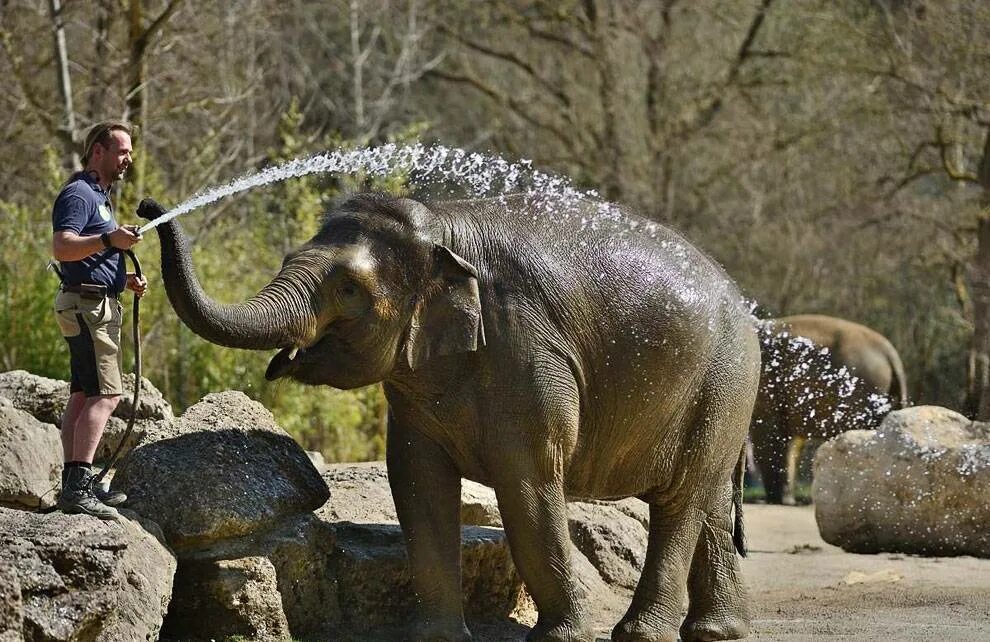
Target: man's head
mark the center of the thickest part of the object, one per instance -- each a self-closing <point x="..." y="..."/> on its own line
<point x="108" y="150"/>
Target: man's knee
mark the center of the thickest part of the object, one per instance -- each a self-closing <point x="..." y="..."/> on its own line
<point x="105" y="401"/>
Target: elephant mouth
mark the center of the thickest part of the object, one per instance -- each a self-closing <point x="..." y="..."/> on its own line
<point x="286" y="360"/>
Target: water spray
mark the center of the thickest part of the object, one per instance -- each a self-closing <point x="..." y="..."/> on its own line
<point x="481" y="175"/>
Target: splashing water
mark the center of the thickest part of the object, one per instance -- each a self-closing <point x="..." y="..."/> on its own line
<point x="800" y="373"/>
<point x="479" y="174"/>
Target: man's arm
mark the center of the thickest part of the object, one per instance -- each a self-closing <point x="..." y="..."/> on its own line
<point x="69" y="246"/>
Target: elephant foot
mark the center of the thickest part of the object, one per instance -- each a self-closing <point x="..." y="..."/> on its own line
<point x="568" y="629"/>
<point x="440" y="630"/>
<point x="638" y="629"/>
<point x="707" y="629"/>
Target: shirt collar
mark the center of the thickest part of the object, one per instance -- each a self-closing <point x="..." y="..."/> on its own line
<point x="91" y="180"/>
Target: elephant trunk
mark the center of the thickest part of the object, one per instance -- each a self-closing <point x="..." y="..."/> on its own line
<point x="276" y="317"/>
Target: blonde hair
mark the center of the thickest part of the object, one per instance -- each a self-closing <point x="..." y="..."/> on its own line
<point x="100" y="133"/>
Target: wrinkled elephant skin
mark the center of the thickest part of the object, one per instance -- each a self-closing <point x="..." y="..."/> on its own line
<point x="547" y="358"/>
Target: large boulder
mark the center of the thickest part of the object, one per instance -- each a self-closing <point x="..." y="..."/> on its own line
<point x="30" y="459"/>
<point x="920" y="483"/>
<point x="360" y="493"/>
<point x="370" y="568"/>
<point x="613" y="542"/>
<point x="42" y="397"/>
<point x="224" y="469"/>
<point x="73" y="577"/>
<point x="11" y="608"/>
<point x="225" y="598"/>
<point x="45" y="399"/>
<point x="315" y="579"/>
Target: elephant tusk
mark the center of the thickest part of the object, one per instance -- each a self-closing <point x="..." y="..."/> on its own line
<point x="295" y="351"/>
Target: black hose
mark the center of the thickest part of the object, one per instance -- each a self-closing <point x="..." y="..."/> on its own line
<point x="136" y="333"/>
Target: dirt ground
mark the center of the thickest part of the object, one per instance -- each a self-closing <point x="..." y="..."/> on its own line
<point x="803" y="589"/>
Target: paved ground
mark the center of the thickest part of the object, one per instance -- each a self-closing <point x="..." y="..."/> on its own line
<point x="803" y="589"/>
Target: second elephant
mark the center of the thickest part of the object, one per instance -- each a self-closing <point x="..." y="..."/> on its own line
<point x="821" y="376"/>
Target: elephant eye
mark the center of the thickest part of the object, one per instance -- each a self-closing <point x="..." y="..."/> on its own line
<point x="348" y="290"/>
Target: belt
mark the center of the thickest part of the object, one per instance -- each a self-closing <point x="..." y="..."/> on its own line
<point x="90" y="291"/>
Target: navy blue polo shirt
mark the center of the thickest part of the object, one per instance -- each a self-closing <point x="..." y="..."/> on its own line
<point x="84" y="208"/>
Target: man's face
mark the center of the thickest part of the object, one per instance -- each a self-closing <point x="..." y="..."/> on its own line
<point x="113" y="160"/>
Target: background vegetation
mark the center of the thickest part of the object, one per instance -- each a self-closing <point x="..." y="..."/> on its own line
<point x="832" y="155"/>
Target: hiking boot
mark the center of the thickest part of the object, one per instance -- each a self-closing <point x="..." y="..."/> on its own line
<point x="103" y="492"/>
<point x="108" y="496"/>
<point x="78" y="498"/>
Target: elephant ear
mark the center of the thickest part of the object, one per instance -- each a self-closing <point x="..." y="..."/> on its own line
<point x="448" y="320"/>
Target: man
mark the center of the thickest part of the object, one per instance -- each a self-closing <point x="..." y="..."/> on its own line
<point x="87" y="242"/>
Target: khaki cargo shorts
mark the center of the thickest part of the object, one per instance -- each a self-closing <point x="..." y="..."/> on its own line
<point x="91" y="327"/>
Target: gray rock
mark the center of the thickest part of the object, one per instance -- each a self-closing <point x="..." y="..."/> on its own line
<point x="319" y="463"/>
<point x="151" y="404"/>
<point x="46" y="398"/>
<point x="115" y="433"/>
<point x="42" y="397"/>
<point x="479" y="506"/>
<point x="228" y="472"/>
<point x="613" y="542"/>
<point x="920" y="483"/>
<point x="221" y="598"/>
<point x="371" y="572"/>
<point x="30" y="459"/>
<point x="334" y="580"/>
<point x="82" y="579"/>
<point x="360" y="494"/>
<point x="11" y="608"/>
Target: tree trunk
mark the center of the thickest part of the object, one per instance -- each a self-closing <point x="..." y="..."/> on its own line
<point x="979" y="355"/>
<point x="138" y="39"/>
<point x="67" y="131"/>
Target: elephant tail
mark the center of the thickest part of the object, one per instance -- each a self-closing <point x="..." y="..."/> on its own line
<point x="898" y="386"/>
<point x="738" y="481"/>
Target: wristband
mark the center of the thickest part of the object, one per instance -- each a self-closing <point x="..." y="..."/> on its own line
<point x="105" y="237"/>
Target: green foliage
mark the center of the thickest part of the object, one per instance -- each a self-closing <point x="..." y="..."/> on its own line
<point x="31" y="340"/>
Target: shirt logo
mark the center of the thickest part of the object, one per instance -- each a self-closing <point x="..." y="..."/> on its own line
<point x="104" y="212"/>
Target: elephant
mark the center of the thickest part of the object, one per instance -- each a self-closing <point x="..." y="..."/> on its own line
<point x="540" y="347"/>
<point x="807" y="393"/>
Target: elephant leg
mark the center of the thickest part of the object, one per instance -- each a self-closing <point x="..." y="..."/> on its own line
<point x="770" y="452"/>
<point x="534" y="515"/>
<point x="655" y="612"/>
<point x="717" y="595"/>
<point x="793" y="466"/>
<point x="426" y="488"/>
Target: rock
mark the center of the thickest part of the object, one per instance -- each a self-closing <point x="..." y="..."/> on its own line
<point x="360" y="494"/>
<point x="479" y="507"/>
<point x="82" y="579"/>
<point x="219" y="599"/>
<point x="30" y="459"/>
<point x="319" y="463"/>
<point x="917" y="484"/>
<point x="42" y="397"/>
<point x="229" y="472"/>
<point x="613" y="542"/>
<point x="371" y="572"/>
<point x="332" y="580"/>
<point x="144" y="431"/>
<point x="11" y="607"/>
<point x="151" y="404"/>
<point x="46" y="398"/>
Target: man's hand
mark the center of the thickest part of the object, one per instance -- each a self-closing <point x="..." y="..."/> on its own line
<point x="137" y="284"/>
<point x="150" y="209"/>
<point x="125" y="237"/>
